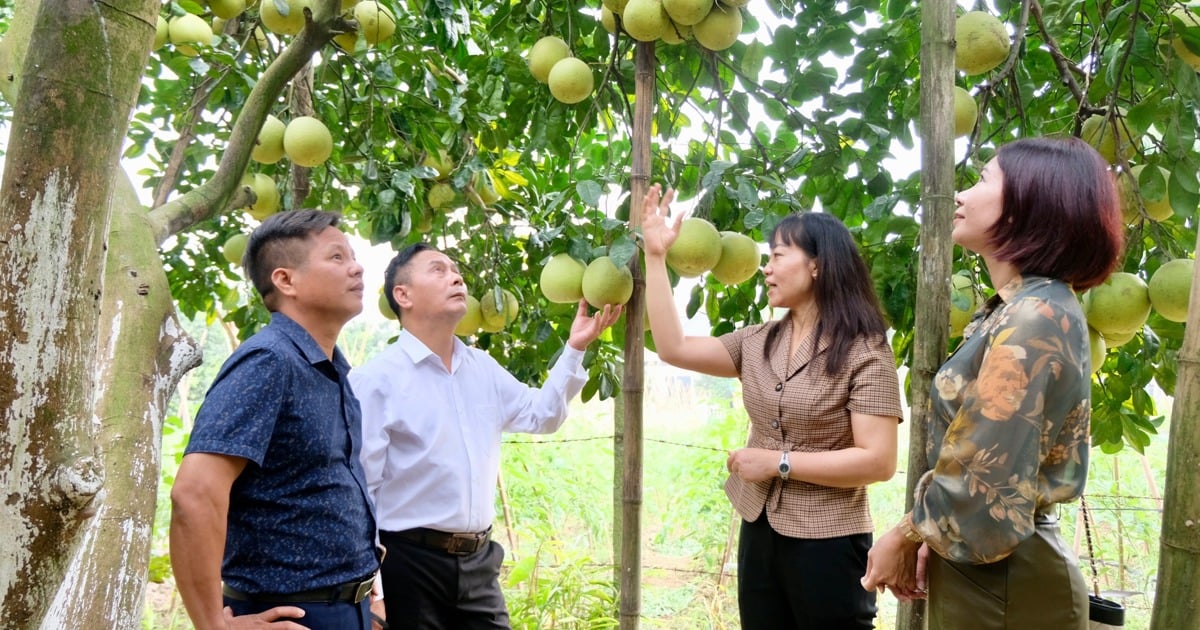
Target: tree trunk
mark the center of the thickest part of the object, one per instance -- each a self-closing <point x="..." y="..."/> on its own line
<point x="69" y="122"/>
<point x="1177" y="594"/>
<point x="107" y="576"/>
<point x="634" y="379"/>
<point x="933" y="276"/>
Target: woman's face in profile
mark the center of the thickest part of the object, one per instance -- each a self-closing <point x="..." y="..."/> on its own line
<point x="978" y="210"/>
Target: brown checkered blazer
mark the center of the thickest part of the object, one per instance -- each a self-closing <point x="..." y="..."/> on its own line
<point x="797" y="406"/>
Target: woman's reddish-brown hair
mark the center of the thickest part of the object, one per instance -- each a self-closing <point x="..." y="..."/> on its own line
<point x="1061" y="217"/>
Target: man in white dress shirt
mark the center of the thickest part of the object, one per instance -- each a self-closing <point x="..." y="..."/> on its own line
<point x="433" y="413"/>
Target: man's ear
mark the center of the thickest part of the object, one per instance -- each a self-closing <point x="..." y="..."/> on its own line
<point x="282" y="278"/>
<point x="403" y="299"/>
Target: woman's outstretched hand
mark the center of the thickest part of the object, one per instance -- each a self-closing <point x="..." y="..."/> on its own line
<point x="658" y="231"/>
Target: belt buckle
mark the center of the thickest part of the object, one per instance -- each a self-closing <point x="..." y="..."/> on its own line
<point x="364" y="589"/>
<point x="463" y="544"/>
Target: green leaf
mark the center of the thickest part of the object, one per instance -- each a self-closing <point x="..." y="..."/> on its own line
<point x="589" y="192"/>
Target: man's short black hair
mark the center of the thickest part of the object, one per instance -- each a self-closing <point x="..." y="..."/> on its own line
<point x="397" y="271"/>
<point x="279" y="242"/>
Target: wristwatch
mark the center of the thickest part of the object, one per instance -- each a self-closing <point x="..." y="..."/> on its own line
<point x="784" y="466"/>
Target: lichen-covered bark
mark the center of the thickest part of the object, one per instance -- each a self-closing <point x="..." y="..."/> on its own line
<point x="77" y="86"/>
<point x="143" y="352"/>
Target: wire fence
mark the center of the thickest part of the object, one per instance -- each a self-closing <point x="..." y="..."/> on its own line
<point x="1125" y="512"/>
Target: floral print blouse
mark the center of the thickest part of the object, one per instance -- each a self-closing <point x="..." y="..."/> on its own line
<point x="1008" y="436"/>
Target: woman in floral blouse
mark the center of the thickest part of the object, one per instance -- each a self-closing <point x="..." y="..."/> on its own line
<point x="1008" y="436"/>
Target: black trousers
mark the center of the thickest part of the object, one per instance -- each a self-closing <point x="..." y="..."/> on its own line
<point x="430" y="589"/>
<point x="802" y="583"/>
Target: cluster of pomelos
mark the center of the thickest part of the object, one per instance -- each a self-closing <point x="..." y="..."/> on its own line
<point x="714" y="24"/>
<point x="732" y="258"/>
<point x="189" y="32"/>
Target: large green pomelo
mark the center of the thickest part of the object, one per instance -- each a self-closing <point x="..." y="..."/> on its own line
<point x="964" y="299"/>
<point x="496" y="315"/>
<point x="470" y="323"/>
<point x="739" y="259"/>
<point x="1170" y="289"/>
<point x="546" y="52"/>
<point x="696" y="250"/>
<point x="561" y="280"/>
<point x="981" y="42"/>
<point x="1120" y="305"/>
<point x="605" y="283"/>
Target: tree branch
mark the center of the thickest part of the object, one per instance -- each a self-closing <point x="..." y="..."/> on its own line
<point x="212" y="197"/>
<point x="1066" y="68"/>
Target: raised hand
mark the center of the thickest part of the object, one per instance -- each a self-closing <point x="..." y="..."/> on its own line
<point x="586" y="328"/>
<point x="658" y="231"/>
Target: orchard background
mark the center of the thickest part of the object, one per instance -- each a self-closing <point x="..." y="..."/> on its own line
<point x="813" y="107"/>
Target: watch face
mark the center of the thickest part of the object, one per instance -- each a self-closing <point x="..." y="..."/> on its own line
<point x="784" y="467"/>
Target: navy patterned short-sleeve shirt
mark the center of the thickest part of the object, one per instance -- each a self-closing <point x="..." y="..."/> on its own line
<point x="299" y="516"/>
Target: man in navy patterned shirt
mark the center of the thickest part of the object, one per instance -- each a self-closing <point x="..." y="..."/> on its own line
<point x="270" y="496"/>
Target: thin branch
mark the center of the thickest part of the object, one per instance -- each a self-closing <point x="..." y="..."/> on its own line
<point x="801" y="119"/>
<point x="1014" y="51"/>
<point x="716" y="75"/>
<point x="1066" y="68"/>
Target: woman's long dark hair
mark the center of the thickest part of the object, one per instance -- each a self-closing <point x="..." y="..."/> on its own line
<point x="846" y="302"/>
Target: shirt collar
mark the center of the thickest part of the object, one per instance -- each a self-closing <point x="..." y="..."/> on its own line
<point x="304" y="342"/>
<point x="1020" y="283"/>
<point x="417" y="351"/>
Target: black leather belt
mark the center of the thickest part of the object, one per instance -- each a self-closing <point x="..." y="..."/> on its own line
<point x="459" y="544"/>
<point x="351" y="592"/>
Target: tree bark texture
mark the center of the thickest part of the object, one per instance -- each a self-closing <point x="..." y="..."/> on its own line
<point x="1177" y="594"/>
<point x="106" y="579"/>
<point x="78" y="84"/>
<point x="935" y="261"/>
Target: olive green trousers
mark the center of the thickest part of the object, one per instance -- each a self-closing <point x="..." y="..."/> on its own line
<point x="1038" y="587"/>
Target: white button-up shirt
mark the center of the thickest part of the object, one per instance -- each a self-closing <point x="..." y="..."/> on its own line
<point x="431" y="438"/>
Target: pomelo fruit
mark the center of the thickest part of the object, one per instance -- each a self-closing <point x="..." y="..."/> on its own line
<point x="1098" y="348"/>
<point x="964" y="300"/>
<point x="1171" y="289"/>
<point x="696" y="250"/>
<point x="571" y="80"/>
<point x="739" y="261"/>
<point x="644" y="20"/>
<point x="268" y="148"/>
<point x="375" y="21"/>
<point x="1110" y="139"/>
<point x="307" y="141"/>
<point x="981" y="42"/>
<point x="267" y="194"/>
<point x="472" y="320"/>
<point x="605" y="283"/>
<point x="966" y="112"/>
<point x="719" y="29"/>
<point x="1120" y="305"/>
<point x="562" y="279"/>
<point x="235" y="247"/>
<point x="546" y="52"/>
<point x="498" y="314"/>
